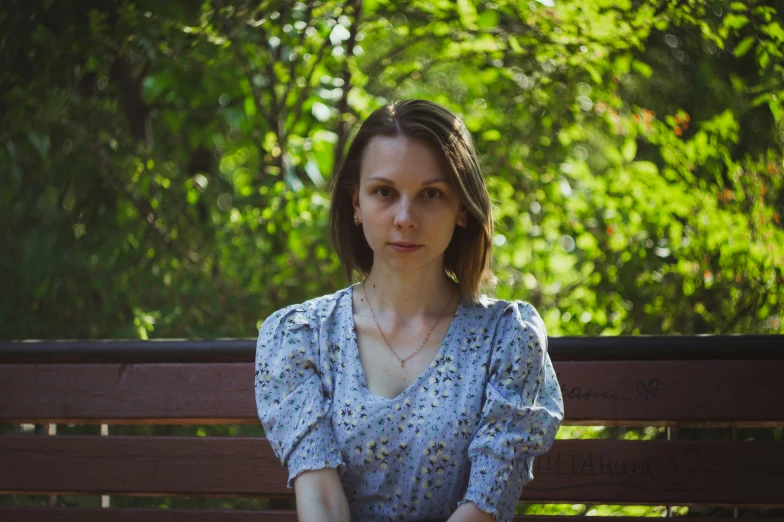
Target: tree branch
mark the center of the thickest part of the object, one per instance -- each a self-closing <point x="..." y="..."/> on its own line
<point x="305" y="92"/>
<point x="343" y="102"/>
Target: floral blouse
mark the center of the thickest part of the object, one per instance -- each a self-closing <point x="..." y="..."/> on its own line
<point x="467" y="429"/>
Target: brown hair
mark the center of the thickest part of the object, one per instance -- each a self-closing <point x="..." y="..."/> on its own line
<point x="469" y="255"/>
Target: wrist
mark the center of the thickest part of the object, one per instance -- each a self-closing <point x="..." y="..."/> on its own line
<point x="468" y="512"/>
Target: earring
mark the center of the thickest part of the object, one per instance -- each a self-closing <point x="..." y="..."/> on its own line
<point x="357" y="221"/>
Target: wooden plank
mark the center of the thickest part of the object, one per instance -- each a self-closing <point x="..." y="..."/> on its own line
<point x="571" y="348"/>
<point x="699" y="393"/>
<point x="574" y="471"/>
<point x="128" y="393"/>
<point x="696" y="393"/>
<point x="42" y="514"/>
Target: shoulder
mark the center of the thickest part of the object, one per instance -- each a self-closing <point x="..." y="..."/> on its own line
<point x="510" y="319"/>
<point x="308" y="313"/>
<point x="504" y="311"/>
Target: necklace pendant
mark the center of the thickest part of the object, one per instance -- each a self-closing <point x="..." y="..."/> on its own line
<point x="402" y="363"/>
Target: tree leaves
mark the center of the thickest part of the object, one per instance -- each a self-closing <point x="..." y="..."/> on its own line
<point x="744" y="46"/>
<point x="631" y="158"/>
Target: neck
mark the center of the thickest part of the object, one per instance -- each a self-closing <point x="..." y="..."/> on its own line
<point x="406" y="295"/>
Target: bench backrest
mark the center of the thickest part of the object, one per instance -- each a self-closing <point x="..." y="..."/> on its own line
<point x="722" y="381"/>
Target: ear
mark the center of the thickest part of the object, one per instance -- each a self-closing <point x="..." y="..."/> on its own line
<point x="462" y="218"/>
<point x="355" y="198"/>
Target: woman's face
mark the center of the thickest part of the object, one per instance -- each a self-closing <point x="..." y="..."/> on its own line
<point x="407" y="205"/>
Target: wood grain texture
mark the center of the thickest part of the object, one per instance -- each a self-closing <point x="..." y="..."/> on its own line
<point x="573" y="471"/>
<point x="570" y="348"/>
<point x="698" y="393"/>
<point x="42" y="514"/>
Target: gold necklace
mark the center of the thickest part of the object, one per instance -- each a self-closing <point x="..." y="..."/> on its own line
<point x="402" y="361"/>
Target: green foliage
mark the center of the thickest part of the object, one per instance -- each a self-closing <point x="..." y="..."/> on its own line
<point x="165" y="164"/>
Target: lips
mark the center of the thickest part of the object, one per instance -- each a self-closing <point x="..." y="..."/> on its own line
<point x="404" y="247"/>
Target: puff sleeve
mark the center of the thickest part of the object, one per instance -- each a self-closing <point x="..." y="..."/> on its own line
<point x="521" y="413"/>
<point x="291" y="403"/>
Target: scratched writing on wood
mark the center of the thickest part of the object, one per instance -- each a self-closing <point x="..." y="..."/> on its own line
<point x="642" y="391"/>
<point x="663" y="473"/>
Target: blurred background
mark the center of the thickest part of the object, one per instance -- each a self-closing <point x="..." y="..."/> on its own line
<point x="164" y="165"/>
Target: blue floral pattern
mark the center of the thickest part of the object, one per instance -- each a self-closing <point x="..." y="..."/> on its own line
<point x="467" y="429"/>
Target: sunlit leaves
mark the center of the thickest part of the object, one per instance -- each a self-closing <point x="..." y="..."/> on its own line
<point x="744" y="46"/>
<point x="623" y="204"/>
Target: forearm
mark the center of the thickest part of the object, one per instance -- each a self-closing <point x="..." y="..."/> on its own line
<point x="319" y="510"/>
<point x="468" y="512"/>
<point x="320" y="496"/>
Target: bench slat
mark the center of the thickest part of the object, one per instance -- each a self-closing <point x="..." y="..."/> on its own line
<point x="570" y="348"/>
<point x="700" y="393"/>
<point x="43" y="514"/>
<point x="574" y="471"/>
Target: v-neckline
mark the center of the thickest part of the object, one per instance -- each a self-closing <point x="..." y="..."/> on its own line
<point x="361" y="370"/>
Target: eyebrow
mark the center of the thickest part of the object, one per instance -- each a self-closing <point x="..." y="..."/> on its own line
<point x="426" y="182"/>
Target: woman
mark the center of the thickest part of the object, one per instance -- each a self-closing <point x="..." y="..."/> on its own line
<point x="408" y="396"/>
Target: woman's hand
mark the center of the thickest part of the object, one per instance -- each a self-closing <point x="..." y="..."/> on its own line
<point x="468" y="512"/>
<point x="320" y="497"/>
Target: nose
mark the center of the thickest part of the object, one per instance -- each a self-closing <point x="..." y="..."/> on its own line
<point x="406" y="216"/>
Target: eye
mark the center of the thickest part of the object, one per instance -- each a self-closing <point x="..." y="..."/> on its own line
<point x="384" y="192"/>
<point x="433" y="193"/>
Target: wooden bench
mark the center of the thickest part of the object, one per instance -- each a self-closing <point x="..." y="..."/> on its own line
<point x="729" y="382"/>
